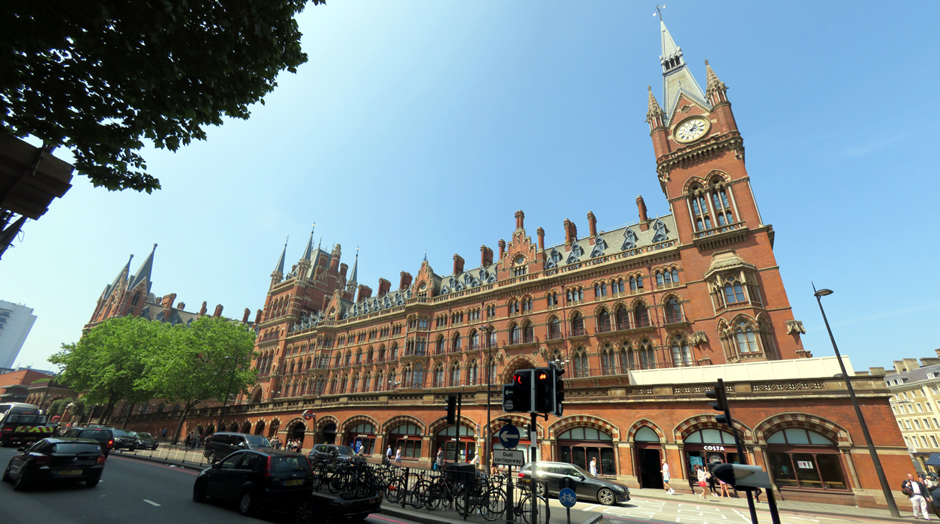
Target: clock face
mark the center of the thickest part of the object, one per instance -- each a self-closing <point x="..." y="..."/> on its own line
<point x="692" y="129"/>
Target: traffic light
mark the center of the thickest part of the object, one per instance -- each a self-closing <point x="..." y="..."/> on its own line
<point x="451" y="408"/>
<point x="741" y="476"/>
<point x="517" y="396"/>
<point x="543" y="391"/>
<point x="559" y="389"/>
<point x="721" y="403"/>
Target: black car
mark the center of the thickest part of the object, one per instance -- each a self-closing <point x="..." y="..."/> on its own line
<point x="146" y="440"/>
<point x="124" y="439"/>
<point x="332" y="452"/>
<point x="586" y="486"/>
<point x="256" y="478"/>
<point x="56" y="459"/>
<point x="101" y="435"/>
<point x="222" y="443"/>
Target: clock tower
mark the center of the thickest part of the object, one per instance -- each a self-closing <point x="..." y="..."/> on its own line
<point x="727" y="249"/>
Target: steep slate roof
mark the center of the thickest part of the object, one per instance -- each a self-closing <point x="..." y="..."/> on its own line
<point x="914" y="375"/>
<point x="143" y="272"/>
<point x="679" y="79"/>
<point x="279" y="267"/>
<point x="662" y="229"/>
<point x="125" y="272"/>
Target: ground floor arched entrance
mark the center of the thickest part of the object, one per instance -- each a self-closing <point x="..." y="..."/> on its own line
<point x="297" y="431"/>
<point x="459" y="448"/>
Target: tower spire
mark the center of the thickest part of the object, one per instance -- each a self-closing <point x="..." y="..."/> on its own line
<point x="355" y="269"/>
<point x="715" y="89"/>
<point x="279" y="268"/>
<point x="654" y="113"/>
<point x="677" y="79"/>
<point x="143" y="272"/>
<point x="308" y="252"/>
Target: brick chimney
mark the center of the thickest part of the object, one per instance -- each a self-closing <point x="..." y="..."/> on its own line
<point x="218" y="311"/>
<point x="334" y="258"/>
<point x="405" y="280"/>
<point x="541" y="233"/>
<point x="168" y="300"/>
<point x="384" y="286"/>
<point x="181" y="306"/>
<point x="364" y="292"/>
<point x="502" y="248"/>
<point x="486" y="256"/>
<point x="246" y="315"/>
<point x="592" y="223"/>
<point x="202" y="310"/>
<point x="641" y="207"/>
<point x="520" y="220"/>
<point x="458" y="264"/>
<point x="571" y="232"/>
<point x="343" y="268"/>
<point x="257" y="317"/>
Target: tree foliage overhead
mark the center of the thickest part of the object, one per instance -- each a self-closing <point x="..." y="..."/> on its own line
<point x="98" y="77"/>
<point x="105" y="366"/>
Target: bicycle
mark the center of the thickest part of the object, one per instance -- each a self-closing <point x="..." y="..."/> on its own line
<point x="524" y="509"/>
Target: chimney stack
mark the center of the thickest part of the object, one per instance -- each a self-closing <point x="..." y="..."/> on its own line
<point x="202" y="310"/>
<point x="364" y="292"/>
<point x="246" y="315"/>
<point x="458" y="264"/>
<point x="257" y="317"/>
<point x="342" y="269"/>
<point x="541" y="233"/>
<point x="571" y="232"/>
<point x="384" y="286"/>
<point x="181" y="306"/>
<point x="520" y="219"/>
<point x="168" y="300"/>
<point x="502" y="248"/>
<point x="641" y="207"/>
<point x="405" y="280"/>
<point x="218" y="311"/>
<point x="592" y="223"/>
<point x="486" y="256"/>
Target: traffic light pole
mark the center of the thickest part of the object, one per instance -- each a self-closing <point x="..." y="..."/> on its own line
<point x="741" y="455"/>
<point x="457" y="437"/>
<point x="533" y="437"/>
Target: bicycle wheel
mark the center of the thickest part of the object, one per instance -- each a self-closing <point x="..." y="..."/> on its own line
<point x="524" y="510"/>
<point x="395" y="489"/>
<point x="493" y="505"/>
<point x="418" y="494"/>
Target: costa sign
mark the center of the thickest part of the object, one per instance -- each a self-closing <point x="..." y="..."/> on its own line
<point x="714" y="448"/>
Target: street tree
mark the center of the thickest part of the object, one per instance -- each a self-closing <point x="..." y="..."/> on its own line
<point x="106" y="364"/>
<point x="100" y="77"/>
<point x="208" y="360"/>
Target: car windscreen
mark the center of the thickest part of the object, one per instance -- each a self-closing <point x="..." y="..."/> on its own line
<point x="344" y="450"/>
<point x="22" y="418"/>
<point x="76" y="447"/>
<point x="96" y="433"/>
<point x="145" y="435"/>
<point x="288" y="464"/>
<point x="257" y="441"/>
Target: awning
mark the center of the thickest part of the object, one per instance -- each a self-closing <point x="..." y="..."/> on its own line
<point x="934" y="460"/>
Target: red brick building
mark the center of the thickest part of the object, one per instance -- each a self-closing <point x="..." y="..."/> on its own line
<point x="643" y="317"/>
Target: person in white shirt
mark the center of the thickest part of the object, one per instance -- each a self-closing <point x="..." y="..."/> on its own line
<point x="593" y="467"/>
<point x="917" y="492"/>
<point x="665" y="472"/>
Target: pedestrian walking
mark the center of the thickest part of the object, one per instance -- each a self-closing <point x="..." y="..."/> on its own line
<point x="702" y="475"/>
<point x="398" y="456"/>
<point x="723" y="489"/>
<point x="917" y="492"/>
<point x="593" y="467"/>
<point x="665" y="472"/>
<point x="388" y="455"/>
<point x="439" y="461"/>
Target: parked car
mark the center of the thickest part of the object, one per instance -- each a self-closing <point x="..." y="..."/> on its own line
<point x="332" y="452"/>
<point x="550" y="474"/>
<point x="279" y="481"/>
<point x="102" y="435"/>
<point x="220" y="444"/>
<point x="124" y="439"/>
<point x="146" y="440"/>
<point x="56" y="459"/>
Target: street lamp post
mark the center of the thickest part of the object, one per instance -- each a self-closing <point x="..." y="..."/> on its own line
<point x="227" y="393"/>
<point x="889" y="498"/>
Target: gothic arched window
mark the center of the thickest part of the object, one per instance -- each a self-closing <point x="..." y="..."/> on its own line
<point x="673" y="311"/>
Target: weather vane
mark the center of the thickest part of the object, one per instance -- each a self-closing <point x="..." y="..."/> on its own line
<point x="659" y="11"/>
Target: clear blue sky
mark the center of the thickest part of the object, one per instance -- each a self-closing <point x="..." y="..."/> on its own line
<point x="425" y="125"/>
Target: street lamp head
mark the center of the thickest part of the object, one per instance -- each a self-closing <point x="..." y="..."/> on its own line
<point x="822" y="293"/>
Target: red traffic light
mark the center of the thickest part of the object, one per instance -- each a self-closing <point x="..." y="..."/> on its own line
<point x="517" y="378"/>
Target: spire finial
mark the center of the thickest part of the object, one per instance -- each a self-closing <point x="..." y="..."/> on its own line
<point x="659" y="11"/>
<point x="425" y="255"/>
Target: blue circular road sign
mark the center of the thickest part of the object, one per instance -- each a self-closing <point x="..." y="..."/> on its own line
<point x="508" y="436"/>
<point x="567" y="497"/>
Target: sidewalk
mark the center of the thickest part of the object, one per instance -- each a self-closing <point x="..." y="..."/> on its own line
<point x="193" y="459"/>
<point x="788" y="506"/>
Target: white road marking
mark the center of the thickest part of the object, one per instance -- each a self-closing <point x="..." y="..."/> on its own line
<point x="152" y="503"/>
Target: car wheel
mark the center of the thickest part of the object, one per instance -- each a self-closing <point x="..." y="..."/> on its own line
<point x="303" y="512"/>
<point x="210" y="456"/>
<point x="244" y="503"/>
<point x="21" y="481"/>
<point x="605" y="497"/>
<point x="541" y="490"/>
<point x="199" y="492"/>
<point x="6" y="474"/>
<point x="92" y="482"/>
<point x="154" y="447"/>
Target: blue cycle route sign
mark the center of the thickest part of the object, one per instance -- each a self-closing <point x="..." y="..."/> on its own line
<point x="508" y="436"/>
<point x="567" y="497"/>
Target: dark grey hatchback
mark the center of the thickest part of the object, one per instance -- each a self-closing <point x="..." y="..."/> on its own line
<point x="549" y="475"/>
<point x="273" y="479"/>
<point x="56" y="459"/>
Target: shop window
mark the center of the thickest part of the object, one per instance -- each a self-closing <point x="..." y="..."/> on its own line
<point x="464" y="444"/>
<point x="579" y="445"/>
<point x="803" y="459"/>
<point x="408" y="437"/>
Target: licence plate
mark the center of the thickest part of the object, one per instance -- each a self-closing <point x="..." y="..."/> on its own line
<point x="71" y="472"/>
<point x="294" y="482"/>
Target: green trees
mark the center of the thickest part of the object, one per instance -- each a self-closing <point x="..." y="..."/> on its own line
<point x="106" y="365"/>
<point x="99" y="77"/>
<point x="206" y="361"/>
<point x="135" y="359"/>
